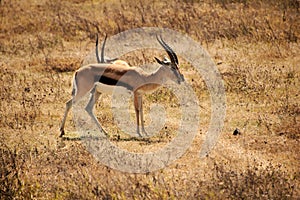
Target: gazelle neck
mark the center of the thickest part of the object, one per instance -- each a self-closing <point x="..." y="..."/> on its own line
<point x="157" y="77"/>
<point x="153" y="81"/>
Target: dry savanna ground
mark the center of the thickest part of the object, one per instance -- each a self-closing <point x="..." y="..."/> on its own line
<point x="255" y="45"/>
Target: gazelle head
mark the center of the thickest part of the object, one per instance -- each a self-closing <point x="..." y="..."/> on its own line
<point x="172" y="64"/>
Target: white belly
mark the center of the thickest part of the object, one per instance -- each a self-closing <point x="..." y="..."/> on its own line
<point x="111" y="89"/>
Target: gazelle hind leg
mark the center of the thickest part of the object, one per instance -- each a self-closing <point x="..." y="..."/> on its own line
<point x="89" y="107"/>
<point x="62" y="126"/>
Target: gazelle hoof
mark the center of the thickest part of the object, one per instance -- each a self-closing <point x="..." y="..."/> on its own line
<point x="62" y="133"/>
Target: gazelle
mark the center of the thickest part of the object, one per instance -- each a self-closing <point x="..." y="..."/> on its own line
<point x="105" y="77"/>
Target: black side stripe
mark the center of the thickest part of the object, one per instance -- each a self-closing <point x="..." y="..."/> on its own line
<point x="109" y="81"/>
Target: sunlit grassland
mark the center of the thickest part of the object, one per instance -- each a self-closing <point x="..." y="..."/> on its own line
<point x="255" y="45"/>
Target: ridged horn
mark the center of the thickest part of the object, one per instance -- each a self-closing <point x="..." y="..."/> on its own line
<point x="171" y="53"/>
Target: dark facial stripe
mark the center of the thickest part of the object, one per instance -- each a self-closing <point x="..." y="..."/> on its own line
<point x="110" y="81"/>
<point x="179" y="76"/>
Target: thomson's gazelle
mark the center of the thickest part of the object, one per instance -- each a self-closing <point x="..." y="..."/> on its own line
<point x="105" y="77"/>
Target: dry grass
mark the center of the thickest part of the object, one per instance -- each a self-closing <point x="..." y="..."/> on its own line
<point x="256" y="46"/>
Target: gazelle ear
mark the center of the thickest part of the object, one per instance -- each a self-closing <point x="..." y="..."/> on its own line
<point x="159" y="61"/>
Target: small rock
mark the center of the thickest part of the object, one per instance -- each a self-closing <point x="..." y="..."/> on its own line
<point x="236" y="132"/>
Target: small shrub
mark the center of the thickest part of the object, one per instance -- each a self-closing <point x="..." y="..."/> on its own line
<point x="256" y="182"/>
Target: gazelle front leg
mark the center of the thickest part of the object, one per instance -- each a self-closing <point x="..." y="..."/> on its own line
<point x="140" y="101"/>
<point x="137" y="101"/>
